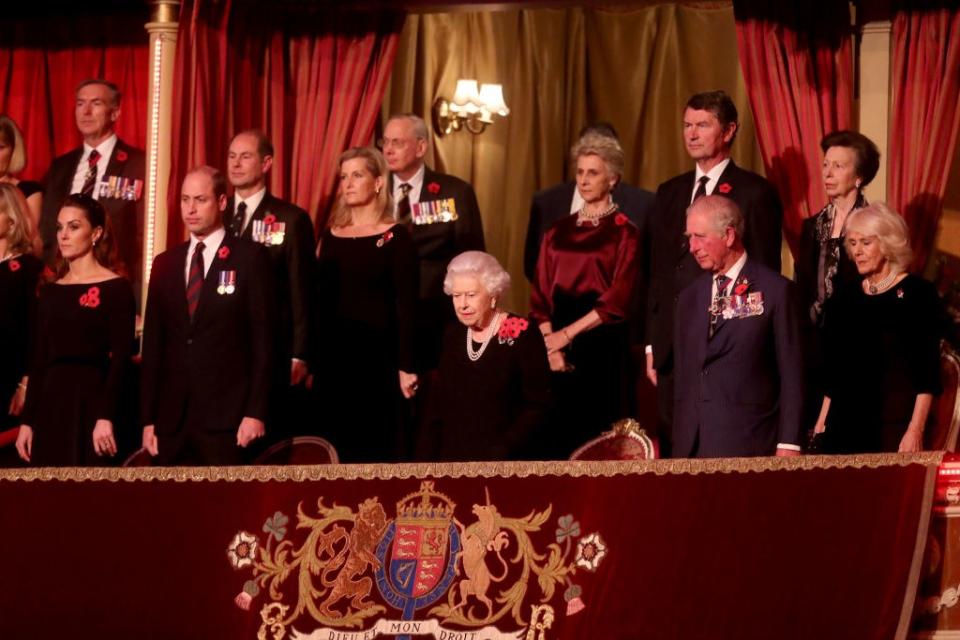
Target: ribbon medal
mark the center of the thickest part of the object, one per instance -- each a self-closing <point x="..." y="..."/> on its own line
<point x="121" y="188"/>
<point x="434" y="211"/>
<point x="272" y="233"/>
<point x="227" y="282"/>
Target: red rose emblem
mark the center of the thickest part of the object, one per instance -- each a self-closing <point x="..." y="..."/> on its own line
<point x="433" y="187"/>
<point x="14" y="265"/>
<point x="725" y="188"/>
<point x="224" y="252"/>
<point x="121" y="156"/>
<point x="269" y="219"/>
<point x="621" y="219"/>
<point x="91" y="298"/>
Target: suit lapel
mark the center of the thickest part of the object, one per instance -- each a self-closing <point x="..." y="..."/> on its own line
<point x="678" y="221"/>
<point x="180" y="283"/>
<point x="702" y="312"/>
<point x="211" y="280"/>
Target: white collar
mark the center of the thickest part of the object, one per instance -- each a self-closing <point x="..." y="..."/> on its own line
<point x="105" y="148"/>
<point x="714" y="174"/>
<point x="733" y="272"/>
<point x="214" y="240"/>
<point x="415" y="181"/>
<point x="252" y="201"/>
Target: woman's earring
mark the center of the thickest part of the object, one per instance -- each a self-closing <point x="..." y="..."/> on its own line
<point x="858" y="184"/>
<point x="493" y="303"/>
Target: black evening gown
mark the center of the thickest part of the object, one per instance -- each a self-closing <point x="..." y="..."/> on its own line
<point x="82" y="353"/>
<point x="367" y="290"/>
<point x="18" y="293"/>
<point x="29" y="187"/>
<point x="494" y="408"/>
<point x="881" y="351"/>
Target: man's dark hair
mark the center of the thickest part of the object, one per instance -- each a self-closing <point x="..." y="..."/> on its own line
<point x="216" y="177"/>
<point x="600" y="128"/>
<point x="864" y="150"/>
<point x="720" y="105"/>
<point x="113" y="89"/>
<point x="264" y="145"/>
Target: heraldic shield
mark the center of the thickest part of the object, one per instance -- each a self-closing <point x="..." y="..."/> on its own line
<point x="423" y="544"/>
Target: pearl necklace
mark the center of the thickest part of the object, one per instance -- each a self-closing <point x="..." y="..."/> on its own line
<point x="883" y="285"/>
<point x="583" y="216"/>
<point x="474" y="354"/>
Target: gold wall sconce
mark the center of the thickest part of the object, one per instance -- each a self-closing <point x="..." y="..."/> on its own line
<point x="471" y="108"/>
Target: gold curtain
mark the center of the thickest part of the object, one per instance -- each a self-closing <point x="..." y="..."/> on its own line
<point x="561" y="69"/>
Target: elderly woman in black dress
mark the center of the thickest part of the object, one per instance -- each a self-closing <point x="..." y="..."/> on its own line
<point x="13" y="158"/>
<point x="85" y="329"/>
<point x="882" y="339"/>
<point x="19" y="273"/>
<point x="493" y="384"/>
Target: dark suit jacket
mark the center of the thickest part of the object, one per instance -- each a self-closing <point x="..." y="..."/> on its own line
<point x="553" y="203"/>
<point x="437" y="244"/>
<point x="294" y="262"/>
<point x="206" y="375"/>
<point x="126" y="216"/>
<point x="739" y="393"/>
<point x="672" y="267"/>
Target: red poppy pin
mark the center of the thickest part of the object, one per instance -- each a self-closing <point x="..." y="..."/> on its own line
<point x="511" y="328"/>
<point x="725" y="188"/>
<point x="385" y="238"/>
<point x="621" y="219"/>
<point x="91" y="298"/>
<point x="14" y="265"/>
<point x="121" y="156"/>
<point x="433" y="187"/>
<point x="741" y="287"/>
<point x="269" y="219"/>
<point x="224" y="252"/>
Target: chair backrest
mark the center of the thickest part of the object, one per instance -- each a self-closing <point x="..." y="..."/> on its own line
<point x="299" y="450"/>
<point x="945" y="423"/>
<point x="626" y="441"/>
<point x="139" y="458"/>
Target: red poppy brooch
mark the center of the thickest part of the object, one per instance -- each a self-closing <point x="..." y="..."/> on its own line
<point x="742" y="286"/>
<point x="91" y="298"/>
<point x="621" y="219"/>
<point x="385" y="238"/>
<point x="14" y="265"/>
<point x="433" y="187"/>
<point x="510" y="329"/>
<point x="224" y="252"/>
<point x="121" y="156"/>
<point x="269" y="219"/>
<point x="725" y="188"/>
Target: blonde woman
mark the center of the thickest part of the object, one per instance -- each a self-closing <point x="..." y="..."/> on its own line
<point x="882" y="343"/>
<point x="367" y="288"/>
<point x="13" y="159"/>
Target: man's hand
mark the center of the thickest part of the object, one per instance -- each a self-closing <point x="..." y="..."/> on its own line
<point x="149" y="440"/>
<point x="104" y="443"/>
<point x="250" y="429"/>
<point x="651" y="372"/>
<point x="409" y="383"/>
<point x="298" y="372"/>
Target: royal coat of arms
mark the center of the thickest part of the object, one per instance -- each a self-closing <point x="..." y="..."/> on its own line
<point x="441" y="577"/>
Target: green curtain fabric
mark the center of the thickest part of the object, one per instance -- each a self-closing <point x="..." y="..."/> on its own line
<point x="561" y="69"/>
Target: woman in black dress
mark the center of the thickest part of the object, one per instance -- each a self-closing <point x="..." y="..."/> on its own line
<point x="882" y="339"/>
<point x="493" y="384"/>
<point x="19" y="272"/>
<point x="367" y="286"/>
<point x="85" y="328"/>
<point x="13" y="158"/>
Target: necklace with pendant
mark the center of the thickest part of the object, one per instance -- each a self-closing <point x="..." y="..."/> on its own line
<point x="584" y="217"/>
<point x="474" y="354"/>
<point x="883" y="285"/>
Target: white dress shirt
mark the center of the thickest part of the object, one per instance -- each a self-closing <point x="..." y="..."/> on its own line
<point x="416" y="186"/>
<point x="576" y="204"/>
<point x="211" y="244"/>
<point x="252" y="203"/>
<point x="105" y="149"/>
<point x="713" y="177"/>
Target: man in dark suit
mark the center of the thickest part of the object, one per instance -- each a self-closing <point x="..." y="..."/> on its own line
<point x="444" y="219"/>
<point x="709" y="128"/>
<point x="207" y="338"/>
<point x="105" y="168"/>
<point x="558" y="201"/>
<point x="287" y="232"/>
<point x="737" y="346"/>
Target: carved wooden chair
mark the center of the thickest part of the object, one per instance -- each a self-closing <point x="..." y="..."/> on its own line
<point x="299" y="450"/>
<point x="625" y="441"/>
<point x="945" y="423"/>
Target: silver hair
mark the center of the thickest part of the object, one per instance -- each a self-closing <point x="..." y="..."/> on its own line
<point x="723" y="211"/>
<point x="890" y="229"/>
<point x="604" y="147"/>
<point x="420" y="131"/>
<point x="482" y="266"/>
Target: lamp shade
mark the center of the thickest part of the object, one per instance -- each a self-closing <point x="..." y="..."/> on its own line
<point x="491" y="97"/>
<point x="466" y="98"/>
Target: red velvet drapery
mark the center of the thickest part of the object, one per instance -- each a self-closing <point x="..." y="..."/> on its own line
<point x="312" y="80"/>
<point x="798" y="68"/>
<point x="926" y="118"/>
<point x="42" y="59"/>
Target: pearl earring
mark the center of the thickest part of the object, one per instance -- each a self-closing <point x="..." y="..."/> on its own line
<point x="493" y="304"/>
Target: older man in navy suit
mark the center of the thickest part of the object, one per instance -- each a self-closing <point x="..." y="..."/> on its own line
<point x="738" y="361"/>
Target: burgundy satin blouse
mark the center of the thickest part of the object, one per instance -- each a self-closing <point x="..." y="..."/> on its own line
<point x="587" y="261"/>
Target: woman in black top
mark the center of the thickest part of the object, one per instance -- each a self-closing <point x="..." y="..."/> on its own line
<point x="493" y="383"/>
<point x="19" y="272"/>
<point x="882" y="344"/>
<point x="85" y="328"/>
<point x="367" y="286"/>
<point x="13" y="158"/>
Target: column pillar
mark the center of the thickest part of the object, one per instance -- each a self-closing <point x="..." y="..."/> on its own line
<point x="875" y="98"/>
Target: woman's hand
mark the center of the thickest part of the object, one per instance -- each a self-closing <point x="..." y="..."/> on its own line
<point x="408" y="384"/>
<point x="25" y="442"/>
<point x="103" y="442"/>
<point x="912" y="440"/>
<point x="558" y="361"/>
<point x="556" y="341"/>
<point x="149" y="440"/>
<point x="16" y="402"/>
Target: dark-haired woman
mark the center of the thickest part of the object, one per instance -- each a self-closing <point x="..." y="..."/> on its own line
<point x="83" y="347"/>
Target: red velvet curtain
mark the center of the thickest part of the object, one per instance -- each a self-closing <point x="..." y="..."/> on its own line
<point x="926" y="118"/>
<point x="42" y="59"/>
<point x="798" y="68"/>
<point x="312" y="80"/>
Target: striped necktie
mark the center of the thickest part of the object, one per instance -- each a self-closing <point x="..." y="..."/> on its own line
<point x="195" y="280"/>
<point x="90" y="180"/>
<point x="722" y="282"/>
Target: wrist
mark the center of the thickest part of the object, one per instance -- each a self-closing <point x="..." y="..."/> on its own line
<point x="566" y="334"/>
